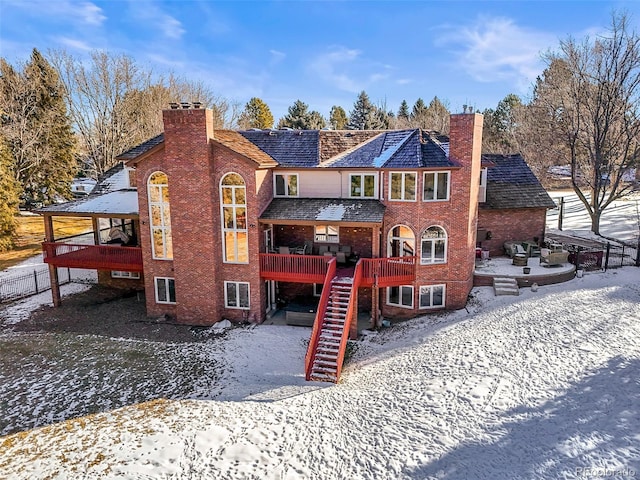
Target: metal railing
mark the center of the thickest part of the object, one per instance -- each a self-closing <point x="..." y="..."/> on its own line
<point x="37" y="281"/>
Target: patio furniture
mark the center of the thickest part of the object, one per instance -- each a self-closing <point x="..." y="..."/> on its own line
<point x="322" y="249"/>
<point x="284" y="250"/>
<point x="554" y="258"/>
<point x="520" y="260"/>
<point x="341" y="257"/>
<point x="346" y="249"/>
<point x="334" y="248"/>
<point x="328" y="254"/>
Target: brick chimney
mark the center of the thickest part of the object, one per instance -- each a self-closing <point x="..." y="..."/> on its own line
<point x="187" y="132"/>
<point x="465" y="148"/>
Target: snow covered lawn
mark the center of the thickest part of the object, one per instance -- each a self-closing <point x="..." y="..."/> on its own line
<point x="544" y="385"/>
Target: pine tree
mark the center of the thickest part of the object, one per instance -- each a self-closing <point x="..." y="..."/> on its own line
<point x="403" y="111"/>
<point x="437" y="116"/>
<point x="300" y="118"/>
<point x="419" y="114"/>
<point x="37" y="129"/>
<point x="365" y="115"/>
<point x="256" y="114"/>
<point x="338" y="118"/>
<point x="9" y="197"/>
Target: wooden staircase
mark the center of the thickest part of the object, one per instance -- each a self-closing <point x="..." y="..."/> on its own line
<point x="328" y="355"/>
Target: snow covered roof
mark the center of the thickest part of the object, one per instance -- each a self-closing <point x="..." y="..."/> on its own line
<point x="324" y="209"/>
<point x="120" y="202"/>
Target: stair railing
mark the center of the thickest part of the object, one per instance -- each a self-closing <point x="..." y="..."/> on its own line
<point x="357" y="279"/>
<point x="317" y="324"/>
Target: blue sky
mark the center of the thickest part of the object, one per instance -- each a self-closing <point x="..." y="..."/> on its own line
<point x="321" y="52"/>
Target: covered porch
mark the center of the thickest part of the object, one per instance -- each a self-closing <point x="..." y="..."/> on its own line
<point x="111" y="245"/>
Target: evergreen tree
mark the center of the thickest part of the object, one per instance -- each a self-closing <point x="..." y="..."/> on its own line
<point x="403" y="111"/>
<point x="365" y="115"/>
<point x="338" y="118"/>
<point x="37" y="129"/>
<point x="256" y="114"/>
<point x="9" y="196"/>
<point x="300" y="118"/>
<point x="437" y="116"/>
<point x="419" y="114"/>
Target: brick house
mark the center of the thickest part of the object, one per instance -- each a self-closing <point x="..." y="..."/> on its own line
<point x="235" y="224"/>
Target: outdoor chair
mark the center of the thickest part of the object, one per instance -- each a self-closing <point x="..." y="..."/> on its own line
<point x="554" y="258"/>
<point x="341" y="257"/>
<point x="334" y="248"/>
<point x="346" y="249"/>
<point x="284" y="250"/>
<point x="322" y="249"/>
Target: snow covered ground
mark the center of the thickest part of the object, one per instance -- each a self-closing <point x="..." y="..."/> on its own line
<point x="544" y="385"/>
<point x="538" y="386"/>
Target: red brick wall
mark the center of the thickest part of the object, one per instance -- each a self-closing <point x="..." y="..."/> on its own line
<point x="104" y="278"/>
<point x="457" y="216"/>
<point x="508" y="225"/>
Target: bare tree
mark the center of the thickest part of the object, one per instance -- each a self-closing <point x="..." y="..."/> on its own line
<point x="590" y="98"/>
<point x="116" y="105"/>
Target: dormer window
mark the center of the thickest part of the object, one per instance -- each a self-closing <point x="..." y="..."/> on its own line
<point x="286" y="184"/>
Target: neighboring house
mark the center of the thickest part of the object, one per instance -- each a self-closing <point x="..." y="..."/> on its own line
<point x="233" y="224"/>
<point x="82" y="186"/>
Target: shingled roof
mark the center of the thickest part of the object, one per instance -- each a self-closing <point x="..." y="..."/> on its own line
<point x="236" y="142"/>
<point x="138" y="150"/>
<point x="290" y="148"/>
<point x="512" y="184"/>
<point x="324" y="209"/>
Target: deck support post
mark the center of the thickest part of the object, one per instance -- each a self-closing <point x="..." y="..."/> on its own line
<point x="53" y="270"/>
<point x="353" y="326"/>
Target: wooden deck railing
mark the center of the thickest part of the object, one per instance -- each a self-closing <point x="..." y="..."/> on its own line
<point x="352" y="316"/>
<point x="388" y="271"/>
<point x="98" y="257"/>
<point x="294" y="268"/>
<point x="322" y="308"/>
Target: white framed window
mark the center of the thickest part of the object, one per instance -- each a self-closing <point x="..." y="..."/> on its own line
<point x="435" y="187"/>
<point x="165" y="290"/>
<point x="327" y="233"/>
<point x="402" y="242"/>
<point x="285" y="184"/>
<point x="363" y="185"/>
<point x="402" y="186"/>
<point x="236" y="295"/>
<point x="433" y="246"/>
<point x="119" y="274"/>
<point x="160" y="216"/>
<point x="233" y="205"/>
<point x="401" y="296"/>
<point x="432" y="296"/>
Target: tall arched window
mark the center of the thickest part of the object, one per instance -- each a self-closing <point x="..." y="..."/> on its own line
<point x="233" y="203"/>
<point x="402" y="242"/>
<point x="434" y="246"/>
<point x="160" y="216"/>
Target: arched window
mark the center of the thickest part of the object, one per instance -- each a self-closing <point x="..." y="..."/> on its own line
<point x="233" y="203"/>
<point x="402" y="242"/>
<point x="160" y="216"/>
<point x="434" y="246"/>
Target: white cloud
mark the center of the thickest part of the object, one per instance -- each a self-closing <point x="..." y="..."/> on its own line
<point x="333" y="67"/>
<point x="276" y="56"/>
<point x="149" y="12"/>
<point x="82" y="12"/>
<point x="74" y="44"/>
<point x="498" y="49"/>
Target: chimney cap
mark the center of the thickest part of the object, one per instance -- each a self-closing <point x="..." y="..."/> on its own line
<point x="173" y="105"/>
